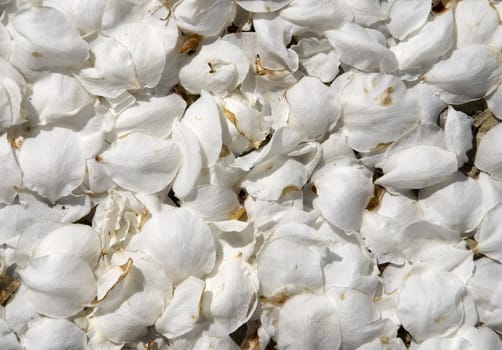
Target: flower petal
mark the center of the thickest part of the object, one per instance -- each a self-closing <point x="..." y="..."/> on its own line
<point x="11" y="178"/>
<point x="406" y="16"/>
<point x="489" y="152"/>
<point x="207" y="18"/>
<point x="51" y="334"/>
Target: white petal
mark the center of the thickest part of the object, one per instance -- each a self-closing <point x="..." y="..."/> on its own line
<point x="57" y="96"/>
<point x="141" y="163"/>
<point x="262" y="5"/>
<point x="10" y="103"/>
<point x="456" y="203"/>
<point x="491" y="190"/>
<point x="51" y="334"/>
<point x="207" y="18"/>
<point x="489" y="152"/>
<point x="146" y="50"/>
<point x="230" y="296"/>
<point x="60" y="284"/>
<point x="417" y="167"/>
<point x="380" y="102"/>
<point x="344" y="189"/>
<point x="45" y="39"/>
<point x="273" y="179"/>
<point x="203" y="118"/>
<point x="191" y="159"/>
<point x="183" y="312"/>
<point x="431" y="304"/>
<point x="318" y="14"/>
<point x="113" y="71"/>
<point x="218" y="67"/>
<point x="489" y="236"/>
<point x="363" y="48"/>
<point x="154" y="117"/>
<point x="406" y="16"/>
<point x="468" y="74"/>
<point x="52" y="163"/>
<point x="458" y="134"/>
<point x="8" y="339"/>
<point x="318" y="58"/>
<point x="286" y="266"/>
<point x="86" y="15"/>
<point x="186" y="237"/>
<point x="494" y="102"/>
<point x="11" y="174"/>
<point x="309" y="321"/>
<point x="213" y="202"/>
<point x="429" y="44"/>
<point x="476" y="21"/>
<point x="313" y="107"/>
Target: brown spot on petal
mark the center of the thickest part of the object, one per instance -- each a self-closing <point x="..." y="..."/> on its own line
<point x="342" y="296"/>
<point x="36" y="54"/>
<point x="233" y="119"/>
<point x="289" y="189"/>
<point x="145" y="215"/>
<point x="251" y="343"/>
<point x="374" y="202"/>
<point x="191" y="44"/>
<point x="8" y="287"/>
<point x="384" y="340"/>
<point x="386" y="97"/>
<point x="238" y="255"/>
<point x="442" y="6"/>
<point x="240" y="215"/>
<point x="438" y="319"/>
<point x="125" y="268"/>
<point x="381" y="146"/>
<point x="276" y="299"/>
<point x="224" y="151"/>
<point x="98" y="158"/>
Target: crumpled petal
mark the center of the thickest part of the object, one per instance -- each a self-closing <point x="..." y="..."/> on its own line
<point x="406" y="16"/>
<point x="218" y="67"/>
<point x="183" y="311"/>
<point x="51" y="334"/>
<point x="363" y="48"/>
<point x="343" y="190"/>
<point x="455" y="203"/>
<point x="379" y="102"/>
<point x="187" y="238"/>
<point x="206" y="17"/>
<point x="11" y="174"/>
<point x="468" y="74"/>
<point x="60" y="284"/>
<point x="309" y="321"/>
<point x="431" y="304"/>
<point x="313" y="107"/>
<point x="52" y="162"/>
<point x="141" y="163"/>
<point x="57" y="96"/>
<point x="45" y="39"/>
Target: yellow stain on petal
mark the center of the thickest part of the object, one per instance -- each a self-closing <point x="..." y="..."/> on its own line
<point x="386" y="97"/>
<point x="144" y="216"/>
<point x="233" y="119"/>
<point x="439" y="319"/>
<point x="374" y="202"/>
<point x="224" y="151"/>
<point x="36" y="54"/>
<point x="381" y="146"/>
<point x="251" y="343"/>
<point x="342" y="296"/>
<point x="385" y="340"/>
<point x="191" y="44"/>
<point x="276" y="299"/>
<point x="239" y="215"/>
<point x="289" y="189"/>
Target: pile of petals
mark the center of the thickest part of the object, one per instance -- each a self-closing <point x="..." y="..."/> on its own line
<point x="250" y="174"/>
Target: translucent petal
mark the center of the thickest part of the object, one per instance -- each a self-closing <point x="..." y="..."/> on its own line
<point x="11" y="174"/>
<point x="456" y="203"/>
<point x="51" y="334"/>
<point x="318" y="14"/>
<point x="468" y="74"/>
<point x="431" y="304"/>
<point x="186" y="237"/>
<point x="141" y="163"/>
<point x="344" y="189"/>
<point x="363" y="48"/>
<point x="309" y="321"/>
<point x="458" y="134"/>
<point x="52" y="163"/>
<point x="313" y="107"/>
<point x="57" y="96"/>
<point x="406" y="16"/>
<point x="380" y="102"/>
<point x="60" y="284"/>
<point x="45" y="39"/>
<point x="183" y="312"/>
<point x="213" y="202"/>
